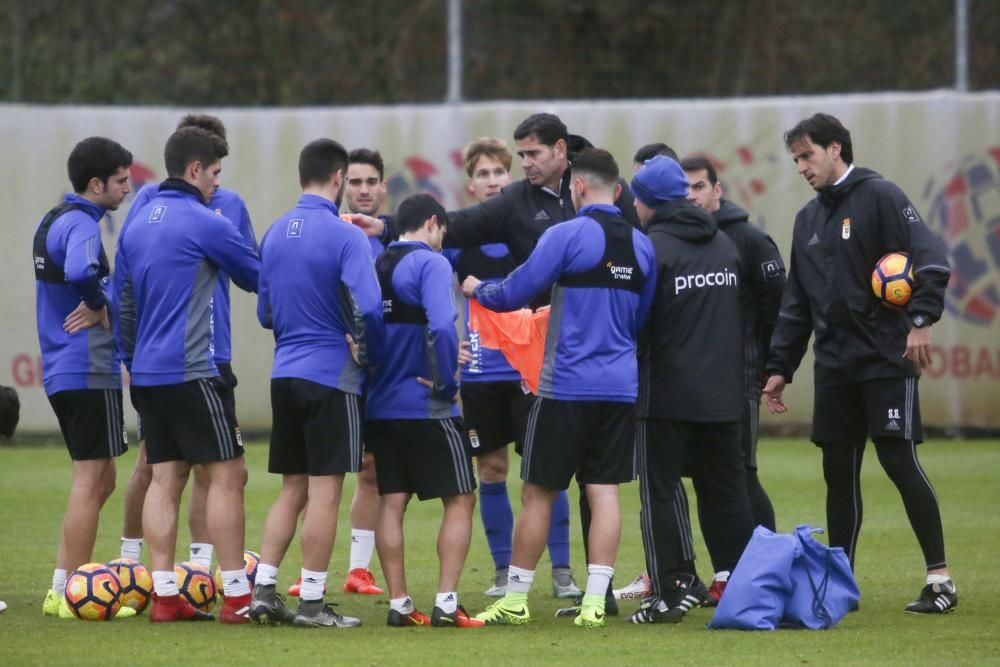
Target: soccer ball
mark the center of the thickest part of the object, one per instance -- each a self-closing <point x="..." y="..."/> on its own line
<point x="92" y="592"/>
<point x="251" y="559"/>
<point x="892" y="279"/>
<point x="196" y="584"/>
<point x="136" y="583"/>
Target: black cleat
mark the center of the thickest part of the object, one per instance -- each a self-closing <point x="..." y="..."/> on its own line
<point x="935" y="599"/>
<point x="653" y="610"/>
<point x="268" y="606"/>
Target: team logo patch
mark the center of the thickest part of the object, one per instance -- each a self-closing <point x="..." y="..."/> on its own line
<point x="620" y="272"/>
<point x="474" y="438"/>
<point x="845" y="229"/>
<point x="294" y="228"/>
<point x="911" y="214"/>
<point x="541" y="215"/>
<point x="156" y="215"/>
<point x="771" y="269"/>
<point x="239" y="437"/>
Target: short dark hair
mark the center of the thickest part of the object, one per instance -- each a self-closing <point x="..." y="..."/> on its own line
<point x="368" y="156"/>
<point x="649" y="151"/>
<point x="697" y="162"/>
<point x="416" y="210"/>
<point x="597" y="163"/>
<point x="546" y="127"/>
<point x="321" y="159"/>
<point x="95" y="157"/>
<point x="205" y="122"/>
<point x="823" y="129"/>
<point x="10" y="411"/>
<point x="192" y="144"/>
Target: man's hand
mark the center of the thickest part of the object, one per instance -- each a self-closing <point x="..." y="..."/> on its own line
<point x="355" y="349"/>
<point x="83" y="317"/>
<point x="918" y="347"/>
<point x="773" y="390"/>
<point x="430" y="385"/>
<point x="465" y="353"/>
<point x="369" y="225"/>
<point x="469" y="286"/>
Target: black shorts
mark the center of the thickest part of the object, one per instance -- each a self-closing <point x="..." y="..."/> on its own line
<point x="188" y="422"/>
<point x="316" y="430"/>
<point x="848" y="414"/>
<point x="428" y="457"/>
<point x="91" y="422"/>
<point x="595" y="440"/>
<point x="227" y="383"/>
<point x="496" y="414"/>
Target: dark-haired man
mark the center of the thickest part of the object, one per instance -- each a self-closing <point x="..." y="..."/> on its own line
<point x="319" y="294"/>
<point x="166" y="271"/>
<point x="80" y="366"/>
<point x="649" y="151"/>
<point x="413" y="425"/>
<point x="229" y="205"/>
<point x="868" y="356"/>
<point x="582" y="423"/>
<point x="685" y="422"/>
<point x="761" y="283"/>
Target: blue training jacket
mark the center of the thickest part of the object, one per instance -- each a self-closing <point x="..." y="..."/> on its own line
<point x="590" y="349"/>
<point x="231" y="206"/>
<point x="317" y="284"/>
<point x="87" y="359"/>
<point x="422" y="281"/>
<point x="166" y="272"/>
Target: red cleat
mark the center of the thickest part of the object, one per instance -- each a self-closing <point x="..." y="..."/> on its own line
<point x="715" y="592"/>
<point x="414" y="618"/>
<point x="236" y="610"/>
<point x="170" y="608"/>
<point x="295" y="588"/>
<point x="458" y="619"/>
<point x="361" y="580"/>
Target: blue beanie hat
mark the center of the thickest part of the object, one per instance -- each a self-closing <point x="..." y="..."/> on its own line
<point x="659" y="180"/>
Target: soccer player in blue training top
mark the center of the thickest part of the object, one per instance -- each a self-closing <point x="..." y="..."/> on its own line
<point x="495" y="404"/>
<point x="166" y="271"/>
<point x="868" y="357"/>
<point x="413" y="428"/>
<point x="583" y="420"/>
<point x="80" y="366"/>
<point x="318" y="293"/>
<point x="230" y="206"/>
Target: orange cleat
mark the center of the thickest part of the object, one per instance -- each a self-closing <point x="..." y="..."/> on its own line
<point x="361" y="580"/>
<point x="236" y="610"/>
<point x="170" y="608"/>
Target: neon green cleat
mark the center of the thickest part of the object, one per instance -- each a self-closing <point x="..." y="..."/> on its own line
<point x="591" y="612"/>
<point x="56" y="605"/>
<point x="125" y="612"/>
<point x="508" y="610"/>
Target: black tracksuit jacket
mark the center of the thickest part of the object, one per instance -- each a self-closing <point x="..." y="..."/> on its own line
<point x="838" y="238"/>
<point x="691" y="351"/>
<point x="761" y="284"/>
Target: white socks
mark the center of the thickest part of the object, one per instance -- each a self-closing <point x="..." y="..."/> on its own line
<point x="401" y="605"/>
<point x="131" y="548"/>
<point x="267" y="575"/>
<point x="235" y="583"/>
<point x="165" y="583"/>
<point x="598" y="579"/>
<point x="518" y="580"/>
<point x="59" y="580"/>
<point x="362" y="547"/>
<point x="447" y="602"/>
<point x="201" y="553"/>
<point x="312" y="586"/>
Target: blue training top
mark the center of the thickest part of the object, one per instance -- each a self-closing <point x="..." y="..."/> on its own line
<point x="603" y="274"/>
<point x="166" y="272"/>
<point x="421" y="340"/>
<point x="231" y="206"/>
<point x="87" y="359"/>
<point x="317" y="284"/>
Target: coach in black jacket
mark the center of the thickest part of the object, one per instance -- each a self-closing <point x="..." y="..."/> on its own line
<point x="690" y="390"/>
<point x="868" y="356"/>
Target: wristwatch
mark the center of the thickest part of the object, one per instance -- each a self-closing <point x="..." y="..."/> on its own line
<point x="919" y="321"/>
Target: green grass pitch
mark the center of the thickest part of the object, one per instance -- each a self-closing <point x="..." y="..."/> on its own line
<point x="33" y="489"/>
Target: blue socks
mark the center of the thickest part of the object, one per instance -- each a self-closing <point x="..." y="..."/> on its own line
<point x="559" y="531"/>
<point x="498" y="521"/>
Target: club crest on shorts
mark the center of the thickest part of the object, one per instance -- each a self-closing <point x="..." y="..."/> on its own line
<point x="239" y="436"/>
<point x="474" y="438"/>
<point x="845" y="229"/>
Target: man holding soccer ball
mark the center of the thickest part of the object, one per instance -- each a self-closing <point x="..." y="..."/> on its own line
<point x="869" y="355"/>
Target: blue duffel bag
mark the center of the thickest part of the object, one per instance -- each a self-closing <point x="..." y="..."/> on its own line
<point x="787" y="580"/>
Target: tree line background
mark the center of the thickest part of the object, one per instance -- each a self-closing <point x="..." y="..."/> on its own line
<point x="322" y="52"/>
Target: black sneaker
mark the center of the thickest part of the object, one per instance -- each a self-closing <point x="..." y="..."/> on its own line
<point x="457" y="619"/>
<point x="268" y="606"/>
<point x="935" y="599"/>
<point x="400" y="620"/>
<point x="610" y="607"/>
<point x="315" y="614"/>
<point x="653" y="610"/>
<point x="688" y="592"/>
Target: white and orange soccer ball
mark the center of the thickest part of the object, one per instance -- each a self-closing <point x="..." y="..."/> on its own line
<point x="93" y="591"/>
<point x="136" y="583"/>
<point x="251" y="559"/>
<point x="196" y="585"/>
<point x="892" y="279"/>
